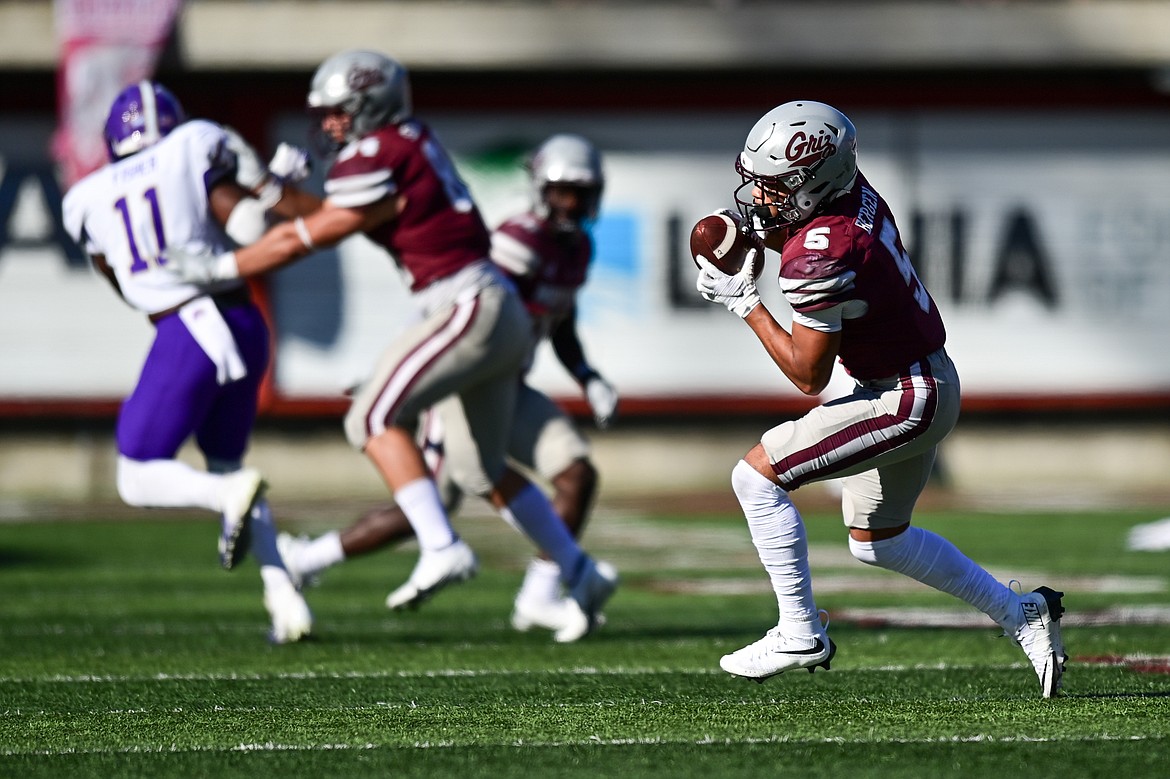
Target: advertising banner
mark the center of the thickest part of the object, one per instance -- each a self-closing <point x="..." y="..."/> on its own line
<point x="1043" y="238"/>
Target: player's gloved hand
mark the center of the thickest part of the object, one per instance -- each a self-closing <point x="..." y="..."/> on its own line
<point x="250" y="171"/>
<point x="290" y="163"/>
<point x="736" y="291"/>
<point x="603" y="400"/>
<point x="200" y="267"/>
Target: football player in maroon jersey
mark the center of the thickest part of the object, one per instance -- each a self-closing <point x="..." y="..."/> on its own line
<point x="855" y="298"/>
<point x="547" y="251"/>
<point x="392" y="180"/>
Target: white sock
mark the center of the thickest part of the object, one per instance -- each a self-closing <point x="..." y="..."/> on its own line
<point x="542" y="582"/>
<point x="264" y="536"/>
<point x="322" y="552"/>
<point x="533" y="512"/>
<point x="778" y="534"/>
<point x="936" y="562"/>
<point x="275" y="577"/>
<point x="419" y="500"/>
<point x="167" y="484"/>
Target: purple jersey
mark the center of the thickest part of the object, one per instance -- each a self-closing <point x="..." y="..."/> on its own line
<point x="548" y="266"/>
<point x="439" y="230"/>
<point x="850" y="255"/>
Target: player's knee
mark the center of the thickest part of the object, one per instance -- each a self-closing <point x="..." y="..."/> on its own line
<point x="574" y="489"/>
<point x="747" y="483"/>
<point x="356" y="431"/>
<point x="881" y="549"/>
<point x="130" y="481"/>
<point x="863" y="551"/>
<point x="578" y="482"/>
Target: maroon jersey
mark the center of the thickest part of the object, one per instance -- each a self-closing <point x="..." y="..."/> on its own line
<point x="439" y="230"/>
<point x="851" y="254"/>
<point x="548" y="266"/>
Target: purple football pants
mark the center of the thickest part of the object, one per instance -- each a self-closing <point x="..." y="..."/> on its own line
<point x="177" y="393"/>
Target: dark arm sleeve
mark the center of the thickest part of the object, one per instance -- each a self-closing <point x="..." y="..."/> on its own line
<point x="568" y="348"/>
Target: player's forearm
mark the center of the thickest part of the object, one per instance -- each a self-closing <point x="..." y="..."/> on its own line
<point x="295" y="202"/>
<point x="567" y="347"/>
<point x="278" y="247"/>
<point x="779" y="345"/>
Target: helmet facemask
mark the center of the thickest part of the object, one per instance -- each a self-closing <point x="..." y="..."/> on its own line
<point x="567" y="216"/>
<point x="323" y="142"/>
<point x="779" y="208"/>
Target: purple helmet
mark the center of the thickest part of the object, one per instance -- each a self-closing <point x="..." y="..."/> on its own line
<point x="140" y="116"/>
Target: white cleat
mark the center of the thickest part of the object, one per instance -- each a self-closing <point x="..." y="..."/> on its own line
<point x="434" y="570"/>
<point x="562" y="616"/>
<point x="290" y="548"/>
<point x="291" y="619"/>
<point x="1149" y="536"/>
<point x="595" y="585"/>
<point x="774" y="654"/>
<point x="1037" y="632"/>
<point x="244" y="488"/>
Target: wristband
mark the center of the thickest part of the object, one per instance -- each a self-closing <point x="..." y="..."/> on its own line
<point x="583" y="373"/>
<point x="303" y="233"/>
<point x="226" y="267"/>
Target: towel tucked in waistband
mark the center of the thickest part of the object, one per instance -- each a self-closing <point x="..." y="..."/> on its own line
<point x="211" y="332"/>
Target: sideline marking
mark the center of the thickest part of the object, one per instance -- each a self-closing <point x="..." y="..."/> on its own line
<point x="590" y="741"/>
<point x="1137" y="662"/>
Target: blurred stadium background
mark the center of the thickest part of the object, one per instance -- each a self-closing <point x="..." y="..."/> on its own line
<point x="1025" y="147"/>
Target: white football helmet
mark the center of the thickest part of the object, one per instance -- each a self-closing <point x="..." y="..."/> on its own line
<point x="371" y="88"/>
<point x="570" y="160"/>
<point x="802" y="154"/>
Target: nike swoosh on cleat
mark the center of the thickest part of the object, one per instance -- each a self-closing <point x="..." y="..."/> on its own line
<point x="817" y="648"/>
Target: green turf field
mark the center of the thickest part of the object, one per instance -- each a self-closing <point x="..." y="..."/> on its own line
<point x="126" y="651"/>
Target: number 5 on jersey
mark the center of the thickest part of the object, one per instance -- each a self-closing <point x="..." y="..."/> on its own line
<point x="889" y="239"/>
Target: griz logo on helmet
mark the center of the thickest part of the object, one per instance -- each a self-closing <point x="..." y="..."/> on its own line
<point x="361" y="79"/>
<point x="804" y="151"/>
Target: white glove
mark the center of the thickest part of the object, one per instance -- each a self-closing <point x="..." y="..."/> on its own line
<point x="603" y="400"/>
<point x="290" y="163"/>
<point x="250" y="171"/>
<point x="736" y="291"/>
<point x="201" y="267"/>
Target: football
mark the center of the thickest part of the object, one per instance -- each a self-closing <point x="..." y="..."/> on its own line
<point x="724" y="240"/>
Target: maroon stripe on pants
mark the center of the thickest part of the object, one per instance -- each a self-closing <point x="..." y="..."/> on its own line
<point x="418" y="370"/>
<point x="867" y="438"/>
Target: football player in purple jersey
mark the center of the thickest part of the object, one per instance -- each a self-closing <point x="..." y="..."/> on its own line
<point x="855" y="298"/>
<point x="392" y="180"/>
<point x="546" y="251"/>
<point x="175" y="182"/>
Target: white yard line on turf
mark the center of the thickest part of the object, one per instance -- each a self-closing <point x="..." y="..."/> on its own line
<point x="442" y="673"/>
<point x="977" y="738"/>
